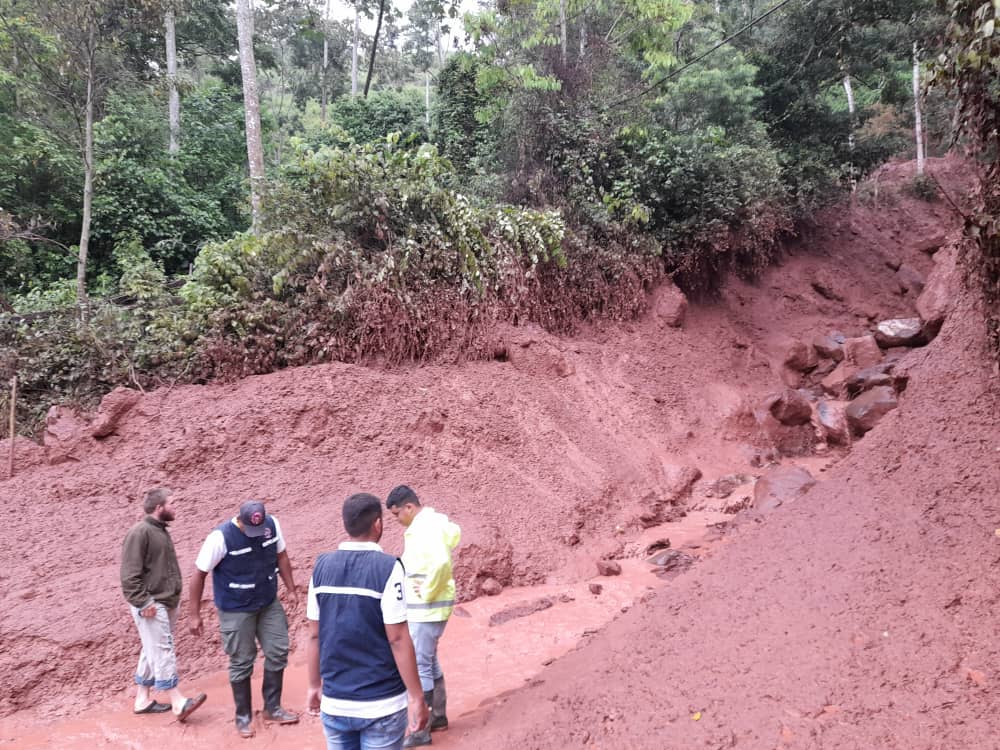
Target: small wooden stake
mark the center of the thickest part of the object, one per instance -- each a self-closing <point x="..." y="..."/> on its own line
<point x="13" y="423"/>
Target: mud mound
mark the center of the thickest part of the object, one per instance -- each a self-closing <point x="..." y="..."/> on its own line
<point x="550" y="458"/>
<point x="861" y="616"/>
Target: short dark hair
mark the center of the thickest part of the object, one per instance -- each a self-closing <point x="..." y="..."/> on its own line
<point x="400" y="496"/>
<point x="154" y="499"/>
<point x="360" y="512"/>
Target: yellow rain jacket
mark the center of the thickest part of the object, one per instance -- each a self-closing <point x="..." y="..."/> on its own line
<point x="430" y="587"/>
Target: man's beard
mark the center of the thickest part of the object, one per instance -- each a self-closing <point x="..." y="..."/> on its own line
<point x="166" y="515"/>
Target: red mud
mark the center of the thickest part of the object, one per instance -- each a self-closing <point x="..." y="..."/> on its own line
<point x="857" y="616"/>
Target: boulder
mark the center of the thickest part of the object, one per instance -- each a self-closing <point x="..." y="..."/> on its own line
<point x="932" y="244"/>
<point x="934" y="302"/>
<point x="800" y="357"/>
<point x="868" y="409"/>
<point x="671" y="559"/>
<point x="723" y="486"/>
<point x="830" y="346"/>
<point x="868" y="378"/>
<point x="899" y="332"/>
<point x="781" y="485"/>
<point x="678" y="480"/>
<point x="836" y="382"/>
<point x="910" y="279"/>
<point x="862" y="352"/>
<point x="595" y="588"/>
<point x="831" y="422"/>
<point x="112" y="410"/>
<point x="490" y="587"/>
<point x="65" y="435"/>
<point x="608" y="568"/>
<point x="669" y="305"/>
<point x="825" y="286"/>
<point x="790" y="407"/>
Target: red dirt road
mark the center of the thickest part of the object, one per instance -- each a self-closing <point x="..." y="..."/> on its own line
<point x="858" y="616"/>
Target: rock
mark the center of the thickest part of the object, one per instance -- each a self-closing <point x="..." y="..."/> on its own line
<point x="723" y="486"/>
<point x="608" y="568"/>
<point x="531" y="349"/>
<point x="596" y="588"/>
<point x="868" y="409"/>
<point x="825" y="287"/>
<point x="899" y="332"/>
<point x="65" y="433"/>
<point x="935" y="301"/>
<point x="892" y="262"/>
<point x="490" y="587"/>
<point x="830" y="346"/>
<point x="520" y="610"/>
<point x="868" y="378"/>
<point x="112" y="410"/>
<point x="800" y="357"/>
<point x="791" y="407"/>
<point x="671" y="559"/>
<point x="831" y="422"/>
<point x="932" y="244"/>
<point x="679" y="480"/>
<point x="736" y="506"/>
<point x="669" y="305"/>
<point x="910" y="279"/>
<point x="835" y="383"/>
<point x="862" y="352"/>
<point x="780" y="485"/>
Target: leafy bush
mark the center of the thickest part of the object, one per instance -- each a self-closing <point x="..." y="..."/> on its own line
<point x="383" y="112"/>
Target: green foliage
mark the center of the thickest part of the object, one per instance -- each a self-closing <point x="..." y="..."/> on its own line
<point x="969" y="66"/>
<point x="383" y="112"/>
<point x="172" y="204"/>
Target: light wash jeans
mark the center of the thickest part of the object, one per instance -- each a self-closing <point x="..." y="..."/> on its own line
<point x="157" y="666"/>
<point x="425" y="637"/>
<point x="345" y="733"/>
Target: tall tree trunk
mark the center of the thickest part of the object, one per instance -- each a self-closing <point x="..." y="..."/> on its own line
<point x="88" y="183"/>
<point x="563" y="43"/>
<point x="175" y="99"/>
<point x="354" y="53"/>
<point x="371" y="60"/>
<point x="917" y="120"/>
<point x="437" y="39"/>
<point x="427" y="100"/>
<point x="849" y="90"/>
<point x="326" y="61"/>
<point x="583" y="37"/>
<point x="251" y="104"/>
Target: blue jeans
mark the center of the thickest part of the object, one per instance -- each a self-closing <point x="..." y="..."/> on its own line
<point x="345" y="733"/>
<point x="425" y="637"/>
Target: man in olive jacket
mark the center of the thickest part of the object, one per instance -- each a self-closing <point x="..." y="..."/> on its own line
<point x="151" y="582"/>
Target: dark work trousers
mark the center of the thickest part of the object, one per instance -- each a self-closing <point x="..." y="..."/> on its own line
<point x="241" y="631"/>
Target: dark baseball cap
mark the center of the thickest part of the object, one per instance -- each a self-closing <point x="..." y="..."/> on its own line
<point x="252" y="515"/>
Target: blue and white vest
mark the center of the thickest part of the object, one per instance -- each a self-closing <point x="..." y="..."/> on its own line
<point x="356" y="661"/>
<point x="246" y="579"/>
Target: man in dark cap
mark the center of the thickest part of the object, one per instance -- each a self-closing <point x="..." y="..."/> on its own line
<point x="245" y="555"/>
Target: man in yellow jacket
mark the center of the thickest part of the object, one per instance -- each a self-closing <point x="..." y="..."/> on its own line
<point x="430" y="595"/>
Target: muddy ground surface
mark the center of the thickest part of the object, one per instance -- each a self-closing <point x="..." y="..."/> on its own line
<point x="858" y="616"/>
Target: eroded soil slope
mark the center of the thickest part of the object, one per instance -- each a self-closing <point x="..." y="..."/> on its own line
<point x="549" y="458"/>
<point x="862" y="616"/>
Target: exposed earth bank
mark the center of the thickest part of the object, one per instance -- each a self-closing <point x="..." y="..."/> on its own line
<point x="858" y="615"/>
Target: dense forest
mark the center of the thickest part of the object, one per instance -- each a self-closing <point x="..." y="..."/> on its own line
<point x="192" y="190"/>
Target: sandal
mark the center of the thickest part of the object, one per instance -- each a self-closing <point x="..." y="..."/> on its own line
<point x="153" y="708"/>
<point x="191" y="705"/>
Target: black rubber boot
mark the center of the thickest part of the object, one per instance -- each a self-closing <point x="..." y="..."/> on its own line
<point x="423" y="737"/>
<point x="243" y="699"/>
<point x="273" y="712"/>
<point x="439" y="706"/>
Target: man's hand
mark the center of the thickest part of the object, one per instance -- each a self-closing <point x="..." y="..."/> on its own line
<point x="149" y="611"/>
<point x="194" y="623"/>
<point x="417" y="711"/>
<point x="293" y="597"/>
<point x="313" y="695"/>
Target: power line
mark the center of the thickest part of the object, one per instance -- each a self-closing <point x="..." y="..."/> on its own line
<point x="699" y="58"/>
